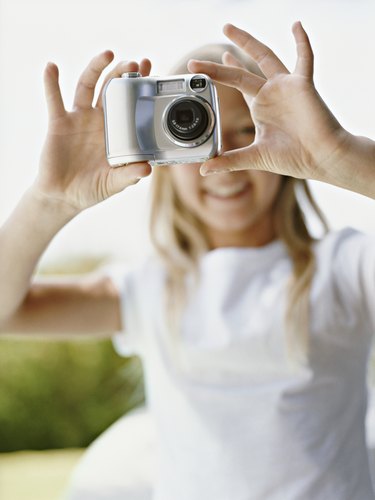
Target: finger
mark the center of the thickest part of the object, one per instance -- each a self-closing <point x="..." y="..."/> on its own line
<point x="121" y="177"/>
<point x="118" y="70"/>
<point x="247" y="158"/>
<point x="239" y="78"/>
<point x="145" y="67"/>
<point x="266" y="59"/>
<point x="305" y="55"/>
<point x="85" y="90"/>
<point x="55" y="104"/>
<point x="231" y="60"/>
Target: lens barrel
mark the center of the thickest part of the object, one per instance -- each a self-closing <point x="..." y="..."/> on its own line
<point x="187" y="119"/>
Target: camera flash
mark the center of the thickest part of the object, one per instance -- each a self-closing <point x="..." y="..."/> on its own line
<point x="169" y="86"/>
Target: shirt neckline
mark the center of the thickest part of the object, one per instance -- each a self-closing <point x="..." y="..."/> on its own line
<point x="274" y="248"/>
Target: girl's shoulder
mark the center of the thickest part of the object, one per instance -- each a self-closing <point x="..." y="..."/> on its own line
<point x="347" y="242"/>
<point x="148" y="269"/>
<point x="135" y="264"/>
<point x="345" y="272"/>
<point x="346" y="255"/>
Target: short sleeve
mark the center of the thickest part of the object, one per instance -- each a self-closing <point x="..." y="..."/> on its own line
<point x="353" y="266"/>
<point x="140" y="290"/>
<point x="128" y="341"/>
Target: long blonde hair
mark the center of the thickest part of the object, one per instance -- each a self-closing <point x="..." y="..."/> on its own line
<point x="179" y="236"/>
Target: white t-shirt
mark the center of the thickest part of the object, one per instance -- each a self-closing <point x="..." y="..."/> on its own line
<point x="237" y="422"/>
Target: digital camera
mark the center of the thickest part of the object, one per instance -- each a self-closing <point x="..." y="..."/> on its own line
<point x="161" y="120"/>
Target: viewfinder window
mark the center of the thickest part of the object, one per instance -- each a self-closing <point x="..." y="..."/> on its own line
<point x="198" y="83"/>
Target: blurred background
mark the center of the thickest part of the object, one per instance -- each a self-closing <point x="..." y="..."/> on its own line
<point x="62" y="395"/>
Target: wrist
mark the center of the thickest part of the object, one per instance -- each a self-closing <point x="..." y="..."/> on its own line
<point x="352" y="164"/>
<point x="56" y="207"/>
<point x="360" y="165"/>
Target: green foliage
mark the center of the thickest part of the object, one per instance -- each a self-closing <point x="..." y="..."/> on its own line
<point x="63" y="394"/>
<point x="58" y="394"/>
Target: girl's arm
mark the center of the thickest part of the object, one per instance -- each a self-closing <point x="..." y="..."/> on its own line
<point x="67" y="307"/>
<point x="73" y="175"/>
<point x="75" y="305"/>
<point x="296" y="134"/>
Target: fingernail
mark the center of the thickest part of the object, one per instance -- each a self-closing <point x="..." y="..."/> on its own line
<point x="214" y="171"/>
<point x="206" y="172"/>
<point x="193" y="61"/>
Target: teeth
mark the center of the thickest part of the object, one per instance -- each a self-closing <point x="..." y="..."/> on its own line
<point x="226" y="191"/>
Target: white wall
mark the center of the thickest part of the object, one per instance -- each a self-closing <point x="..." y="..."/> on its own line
<point x="70" y="32"/>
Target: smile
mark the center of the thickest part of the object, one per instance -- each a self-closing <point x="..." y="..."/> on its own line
<point x="228" y="191"/>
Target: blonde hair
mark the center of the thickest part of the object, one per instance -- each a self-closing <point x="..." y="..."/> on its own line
<point x="179" y="236"/>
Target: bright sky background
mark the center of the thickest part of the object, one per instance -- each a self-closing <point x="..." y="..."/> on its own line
<point x="70" y="32"/>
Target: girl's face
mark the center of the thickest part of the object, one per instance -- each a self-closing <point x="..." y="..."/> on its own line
<point x="236" y="208"/>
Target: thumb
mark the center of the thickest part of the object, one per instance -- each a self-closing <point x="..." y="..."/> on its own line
<point x="247" y="158"/>
<point x="122" y="177"/>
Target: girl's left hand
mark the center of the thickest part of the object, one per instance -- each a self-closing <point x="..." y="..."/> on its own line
<point x="296" y="134"/>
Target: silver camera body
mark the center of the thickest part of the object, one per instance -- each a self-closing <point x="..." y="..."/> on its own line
<point x="161" y="120"/>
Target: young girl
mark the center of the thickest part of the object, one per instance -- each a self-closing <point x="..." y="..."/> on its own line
<point x="255" y="337"/>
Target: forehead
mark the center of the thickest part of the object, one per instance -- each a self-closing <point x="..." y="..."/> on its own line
<point x="232" y="104"/>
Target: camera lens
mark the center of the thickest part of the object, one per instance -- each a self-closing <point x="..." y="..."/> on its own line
<point x="187" y="119"/>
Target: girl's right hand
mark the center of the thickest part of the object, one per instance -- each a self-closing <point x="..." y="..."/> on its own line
<point x="73" y="167"/>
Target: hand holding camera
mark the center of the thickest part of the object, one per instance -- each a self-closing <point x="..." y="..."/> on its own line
<point x="148" y="120"/>
<point x="73" y="170"/>
<point x="162" y="120"/>
<point x="296" y="133"/>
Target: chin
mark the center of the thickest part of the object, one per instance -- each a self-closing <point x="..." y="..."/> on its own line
<point x="232" y="226"/>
